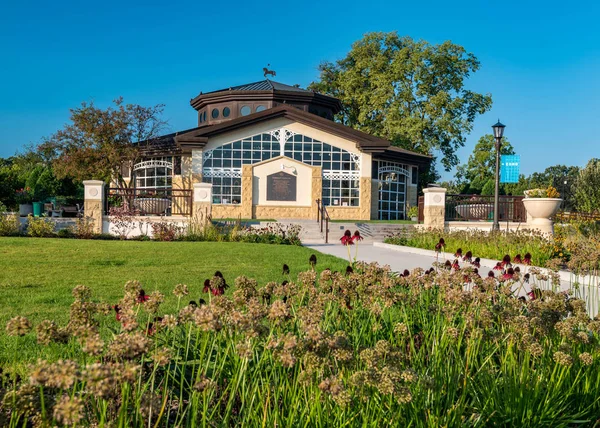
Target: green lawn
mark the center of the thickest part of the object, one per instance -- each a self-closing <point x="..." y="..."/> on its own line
<point x="37" y="274"/>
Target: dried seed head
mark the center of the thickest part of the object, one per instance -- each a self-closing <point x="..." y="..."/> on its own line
<point x="181" y="290"/>
<point x="18" y="326"/>
<point x="68" y="410"/>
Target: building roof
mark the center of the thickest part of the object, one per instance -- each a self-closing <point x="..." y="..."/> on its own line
<point x="266" y="89"/>
<point x="197" y="139"/>
<point x="263" y="85"/>
<point x="163" y="144"/>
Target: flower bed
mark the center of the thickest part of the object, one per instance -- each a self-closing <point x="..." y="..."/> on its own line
<point x="480" y="243"/>
<point x="438" y="347"/>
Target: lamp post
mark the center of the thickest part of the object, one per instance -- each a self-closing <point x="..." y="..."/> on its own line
<point x="498" y="132"/>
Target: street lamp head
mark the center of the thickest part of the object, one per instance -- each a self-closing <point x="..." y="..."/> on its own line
<point x="498" y="130"/>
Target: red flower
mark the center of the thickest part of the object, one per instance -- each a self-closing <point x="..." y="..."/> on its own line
<point x="440" y="245"/>
<point x="206" y="288"/>
<point x="356" y="236"/>
<point x="498" y="266"/>
<point x="142" y="297"/>
<point x="477" y="261"/>
<point x="491" y="274"/>
<point x="458" y="253"/>
<point x="527" y="259"/>
<point x="347" y="238"/>
<point x="517" y="259"/>
<point x="468" y="257"/>
<point x="532" y="295"/>
<point x="506" y="260"/>
<point x="117" y="312"/>
<point x="455" y="265"/>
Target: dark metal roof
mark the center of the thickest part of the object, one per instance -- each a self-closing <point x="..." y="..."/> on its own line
<point x="263" y="85"/>
<point x="162" y="144"/>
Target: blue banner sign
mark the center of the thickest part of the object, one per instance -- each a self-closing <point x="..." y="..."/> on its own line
<point x="509" y="168"/>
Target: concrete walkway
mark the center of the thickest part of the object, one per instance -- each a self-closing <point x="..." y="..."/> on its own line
<point x="400" y="258"/>
<point x="398" y="261"/>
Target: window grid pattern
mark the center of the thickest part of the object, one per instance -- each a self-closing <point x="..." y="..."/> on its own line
<point x="154" y="173"/>
<point x="222" y="166"/>
<point x="341" y="168"/>
<point x="392" y="178"/>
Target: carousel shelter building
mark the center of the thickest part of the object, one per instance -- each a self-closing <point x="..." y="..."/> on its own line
<point x="272" y="151"/>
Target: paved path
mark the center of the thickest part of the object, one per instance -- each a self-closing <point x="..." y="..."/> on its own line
<point x="368" y="253"/>
<point x="400" y="259"/>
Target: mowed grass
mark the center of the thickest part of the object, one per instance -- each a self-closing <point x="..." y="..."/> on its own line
<point x="38" y="274"/>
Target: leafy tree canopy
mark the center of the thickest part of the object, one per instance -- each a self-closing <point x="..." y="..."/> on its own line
<point x="481" y="166"/>
<point x="98" y="143"/>
<point x="409" y="92"/>
<point x="587" y="187"/>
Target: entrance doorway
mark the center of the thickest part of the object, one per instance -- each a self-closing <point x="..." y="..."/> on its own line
<point x="392" y="194"/>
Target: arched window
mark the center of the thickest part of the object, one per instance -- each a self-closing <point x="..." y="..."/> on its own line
<point x="222" y="166"/>
<point x="154" y="173"/>
<point x="392" y="178"/>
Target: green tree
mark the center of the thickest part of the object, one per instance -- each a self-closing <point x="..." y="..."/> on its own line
<point x="98" y="143"/>
<point x="587" y="187"/>
<point x="562" y="177"/>
<point x="409" y="92"/>
<point x="481" y="165"/>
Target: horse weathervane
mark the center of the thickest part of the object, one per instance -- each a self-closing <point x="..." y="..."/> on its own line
<point x="266" y="71"/>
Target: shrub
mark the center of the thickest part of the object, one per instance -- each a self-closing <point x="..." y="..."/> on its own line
<point x="484" y="244"/>
<point x="165" y="231"/>
<point x="39" y="227"/>
<point x="440" y="348"/>
<point x="83" y="228"/>
<point x="65" y="233"/>
<point x="123" y="220"/>
<point x="10" y="225"/>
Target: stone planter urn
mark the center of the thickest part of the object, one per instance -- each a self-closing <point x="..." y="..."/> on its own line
<point x="25" y="209"/>
<point x="152" y="206"/>
<point x="540" y="210"/>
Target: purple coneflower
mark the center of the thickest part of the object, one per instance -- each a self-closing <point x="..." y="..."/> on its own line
<point x="527" y="259"/>
<point x="142" y="297"/>
<point x="286" y="269"/>
<point x="455" y="265"/>
<point x="498" y="266"/>
<point x="468" y="256"/>
<point x="518" y="259"/>
<point x="347" y="238"/>
<point x="458" y="253"/>
<point x="491" y="274"/>
<point x="477" y="262"/>
<point x="356" y="236"/>
<point x="506" y="260"/>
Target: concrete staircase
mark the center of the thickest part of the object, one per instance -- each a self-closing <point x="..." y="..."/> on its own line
<point x="371" y="232"/>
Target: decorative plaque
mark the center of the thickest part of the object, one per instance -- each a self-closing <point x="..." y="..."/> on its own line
<point x="281" y="187"/>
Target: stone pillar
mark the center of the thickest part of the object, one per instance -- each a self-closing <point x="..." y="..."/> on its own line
<point x="365" y="198"/>
<point x="317" y="190"/>
<point x="247" y="182"/>
<point x="195" y="166"/>
<point x="202" y="203"/>
<point x="93" y="205"/>
<point x="434" y="207"/>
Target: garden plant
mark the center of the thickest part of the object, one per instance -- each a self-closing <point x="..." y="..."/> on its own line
<point x="442" y="347"/>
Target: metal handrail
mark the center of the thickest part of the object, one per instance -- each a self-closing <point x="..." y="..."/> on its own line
<point x="323" y="216"/>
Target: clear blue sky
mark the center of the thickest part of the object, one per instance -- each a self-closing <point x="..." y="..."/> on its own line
<point x="540" y="60"/>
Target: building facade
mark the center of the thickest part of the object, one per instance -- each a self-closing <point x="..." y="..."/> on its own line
<point x="272" y="151"/>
